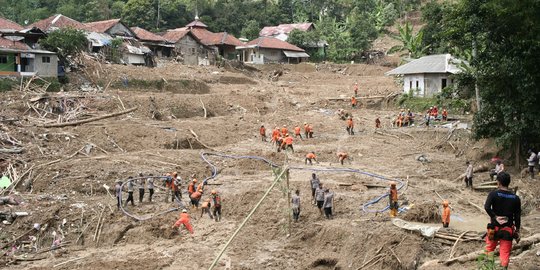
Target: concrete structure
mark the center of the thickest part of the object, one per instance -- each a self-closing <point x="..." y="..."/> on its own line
<point x="283" y="31"/>
<point x="188" y="49"/>
<point x="270" y="50"/>
<point x="427" y="76"/>
<point x="28" y="62"/>
<point x="223" y="43"/>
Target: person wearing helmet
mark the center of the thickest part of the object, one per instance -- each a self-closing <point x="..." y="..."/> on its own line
<point x="275" y="135"/>
<point x="306" y="130"/>
<point x="191" y="187"/>
<point x="205" y="208"/>
<point x="287" y="143"/>
<point x="350" y="126"/>
<point x="176" y="183"/>
<point x="184" y="220"/>
<point x="297" y="132"/>
<point x="262" y="132"/>
<point x="445" y="214"/>
<point x="353" y="102"/>
<point x="216" y="202"/>
<point x="284" y="130"/>
<point x="393" y="196"/>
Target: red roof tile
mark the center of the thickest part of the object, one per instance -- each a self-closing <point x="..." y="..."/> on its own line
<point x="175" y="35"/>
<point x="6" y="24"/>
<point x="284" y="29"/>
<point x="145" y="35"/>
<point x="208" y="38"/>
<point x="57" y="21"/>
<point x="15" y="45"/>
<point x="273" y="43"/>
<point x="101" y="26"/>
<point x="196" y="23"/>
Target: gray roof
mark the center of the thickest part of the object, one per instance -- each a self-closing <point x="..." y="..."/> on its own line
<point x="439" y="63"/>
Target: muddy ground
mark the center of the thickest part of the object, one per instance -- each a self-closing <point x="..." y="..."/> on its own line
<point x="68" y="166"/>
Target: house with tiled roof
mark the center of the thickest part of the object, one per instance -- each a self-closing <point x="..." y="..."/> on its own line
<point x="188" y="49"/>
<point x="18" y="59"/>
<point x="223" y="42"/>
<point x="113" y="27"/>
<point x="282" y="31"/>
<point x="9" y="26"/>
<point x="156" y="43"/>
<point x="57" y="21"/>
<point x="271" y="50"/>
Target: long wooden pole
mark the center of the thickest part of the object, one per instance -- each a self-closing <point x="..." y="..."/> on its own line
<point x="276" y="180"/>
<point x="289" y="200"/>
<point x="75" y="123"/>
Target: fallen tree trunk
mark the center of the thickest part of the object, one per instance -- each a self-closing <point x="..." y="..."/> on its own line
<point x="480" y="168"/>
<point x="75" y="123"/>
<point x="524" y="243"/>
<point x="11" y="150"/>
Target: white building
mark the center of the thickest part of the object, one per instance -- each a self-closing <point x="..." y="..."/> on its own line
<point x="427" y="75"/>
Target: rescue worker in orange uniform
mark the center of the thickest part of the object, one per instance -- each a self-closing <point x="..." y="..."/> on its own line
<point x="311" y="157"/>
<point x="353" y="102"/>
<point x="342" y="156"/>
<point x="287" y="143"/>
<point x="185" y="220"/>
<point x="205" y="208"/>
<point x="284" y="130"/>
<point x="377" y="123"/>
<point x="310" y="133"/>
<point x="350" y="126"/>
<point x="393" y="196"/>
<point x="175" y="187"/>
<point x="275" y="135"/>
<point x="195" y="198"/>
<point x="262" y="131"/>
<point x="444" y="114"/>
<point x="200" y="186"/>
<point x="445" y="214"/>
<point x="297" y="132"/>
<point x="504" y="210"/>
<point x="191" y="187"/>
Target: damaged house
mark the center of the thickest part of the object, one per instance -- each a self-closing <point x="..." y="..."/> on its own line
<point x="188" y="49"/>
<point x="102" y="35"/>
<point x="223" y="43"/>
<point x="271" y="50"/>
<point x="156" y="43"/>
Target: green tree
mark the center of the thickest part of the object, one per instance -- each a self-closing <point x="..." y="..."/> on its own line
<point x="251" y="30"/>
<point x="141" y="13"/>
<point x="65" y="42"/>
<point x="505" y="34"/>
<point x="411" y="42"/>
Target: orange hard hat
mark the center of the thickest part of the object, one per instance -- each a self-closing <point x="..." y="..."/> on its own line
<point x="445" y="203"/>
<point x="194" y="180"/>
<point x="214" y="191"/>
<point x="200" y="190"/>
<point x="393" y="183"/>
<point x="175" y="174"/>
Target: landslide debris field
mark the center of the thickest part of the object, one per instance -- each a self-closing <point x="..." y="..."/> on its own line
<point x="61" y="172"/>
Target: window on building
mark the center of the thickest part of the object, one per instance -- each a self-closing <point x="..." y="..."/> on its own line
<point x="3" y="59"/>
<point x="417" y="84"/>
<point x="45" y="59"/>
<point x="410" y="84"/>
<point x="443" y="83"/>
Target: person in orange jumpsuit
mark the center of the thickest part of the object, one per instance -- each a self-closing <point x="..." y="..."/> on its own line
<point x="175" y="187"/>
<point x="262" y="131"/>
<point x="195" y="198"/>
<point x="310" y="133"/>
<point x="287" y="143"/>
<point x="297" y="132"/>
<point x="275" y="135"/>
<point x="311" y="157"/>
<point x="399" y="121"/>
<point x="444" y="114"/>
<point x="191" y="186"/>
<point x="342" y="156"/>
<point x="284" y="130"/>
<point x="355" y="89"/>
<point x="504" y="209"/>
<point x="350" y="126"/>
<point x="393" y="196"/>
<point x="200" y="186"/>
<point x="377" y="123"/>
<point x="353" y="102"/>
<point x="445" y="214"/>
<point x="435" y="112"/>
<point x="185" y="220"/>
<point x="205" y="208"/>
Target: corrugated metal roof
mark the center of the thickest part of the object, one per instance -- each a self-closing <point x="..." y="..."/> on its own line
<point x="439" y="63"/>
<point x="296" y="54"/>
<point x="99" y="39"/>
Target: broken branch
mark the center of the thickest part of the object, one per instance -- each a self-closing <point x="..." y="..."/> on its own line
<point x="75" y="123"/>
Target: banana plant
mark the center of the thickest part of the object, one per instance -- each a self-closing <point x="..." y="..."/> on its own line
<point x="411" y="43"/>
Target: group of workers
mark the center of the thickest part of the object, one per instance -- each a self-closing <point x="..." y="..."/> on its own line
<point x="404" y="118"/>
<point x="281" y="138"/>
<point x="173" y="183"/>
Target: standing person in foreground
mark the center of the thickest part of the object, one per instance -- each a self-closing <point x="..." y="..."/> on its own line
<point x="504" y="210"/>
<point x="296" y="205"/>
<point x="445" y="214"/>
<point x="393" y="196"/>
<point x="184" y="219"/>
<point x="314" y="184"/>
<point x="150" y="182"/>
<point x="468" y="175"/>
<point x="319" y="197"/>
<point x="533" y="158"/>
<point x="130" y="192"/>
<point x="328" y="203"/>
<point x="498" y="168"/>
<point x="216" y="200"/>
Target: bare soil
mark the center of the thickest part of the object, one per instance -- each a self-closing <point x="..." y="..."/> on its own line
<point x="156" y="139"/>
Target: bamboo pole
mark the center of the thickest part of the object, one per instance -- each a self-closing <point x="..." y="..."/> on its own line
<point x="289" y="201"/>
<point x="276" y="180"/>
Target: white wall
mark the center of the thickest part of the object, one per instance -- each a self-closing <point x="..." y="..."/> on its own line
<point x="429" y="84"/>
<point x="134" y="59"/>
<point x="414" y="81"/>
